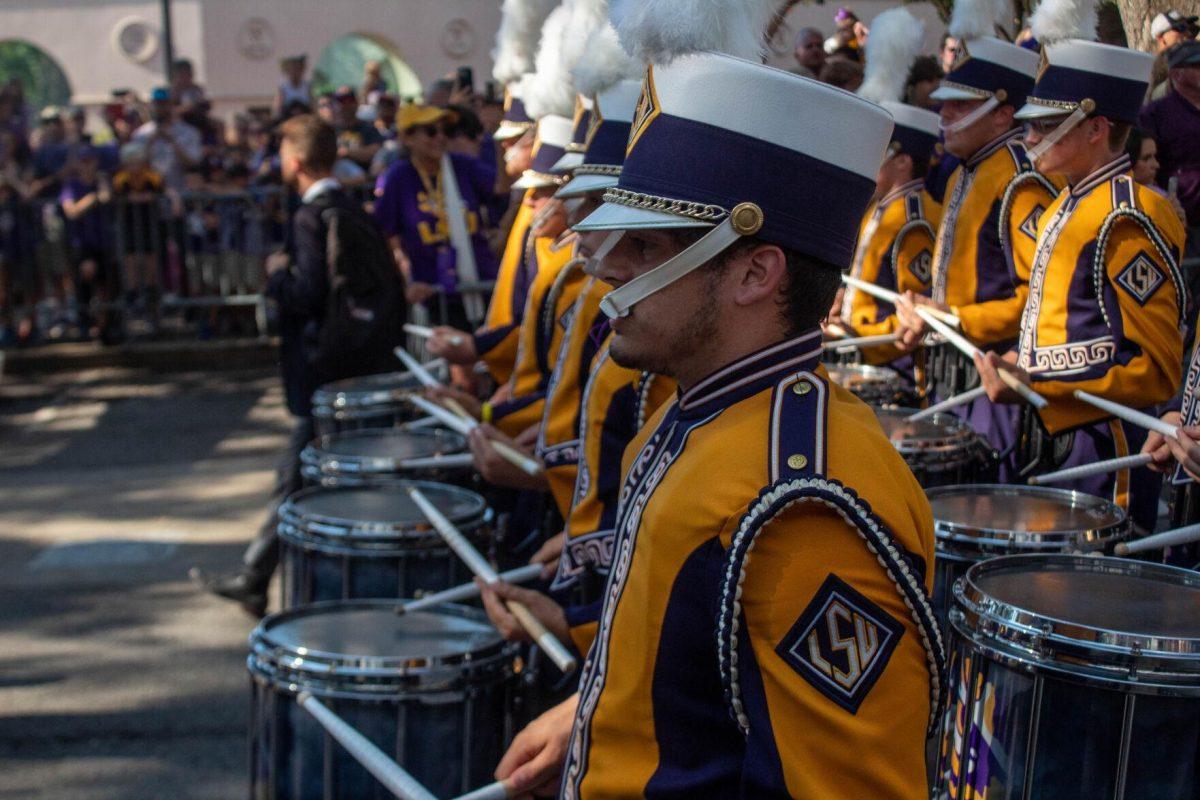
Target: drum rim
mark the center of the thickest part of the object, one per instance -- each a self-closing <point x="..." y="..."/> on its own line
<point x="316" y="453"/>
<point x="866" y="370"/>
<point x="948" y="532"/>
<point x="287" y="666"/>
<point x="291" y="514"/>
<point x="332" y="400"/>
<point x="1036" y="641"/>
<point x="962" y="439"/>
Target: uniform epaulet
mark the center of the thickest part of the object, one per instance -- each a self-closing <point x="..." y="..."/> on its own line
<point x="1021" y="179"/>
<point x="914" y="208"/>
<point x="833" y="495"/>
<point x="798" y="419"/>
<point x="917" y="224"/>
<point x="1125" y="207"/>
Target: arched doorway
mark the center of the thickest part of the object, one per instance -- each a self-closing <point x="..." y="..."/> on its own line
<point x="43" y="79"/>
<point x="342" y="62"/>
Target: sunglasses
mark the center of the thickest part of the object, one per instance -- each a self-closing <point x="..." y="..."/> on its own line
<point x="1042" y="127"/>
<point x="431" y="131"/>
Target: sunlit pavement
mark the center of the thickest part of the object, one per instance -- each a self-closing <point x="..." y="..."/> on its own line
<point x="118" y="679"/>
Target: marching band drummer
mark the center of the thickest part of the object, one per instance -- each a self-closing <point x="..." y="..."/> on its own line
<point x="765" y="627"/>
<point x="896" y="239"/>
<point x="987" y="236"/>
<point x="1106" y="298"/>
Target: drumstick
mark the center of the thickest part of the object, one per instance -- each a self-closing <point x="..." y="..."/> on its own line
<point x="465" y="425"/>
<point x="427" y="380"/>
<point x="425" y="332"/>
<point x="860" y="342"/>
<point x="970" y="351"/>
<point x="949" y="403"/>
<point x="493" y="791"/>
<point x="1185" y="535"/>
<point x="481" y="568"/>
<point x="834" y="329"/>
<point x="888" y="296"/>
<point x="388" y="772"/>
<point x="1129" y="414"/>
<point x="468" y="590"/>
<point x="1087" y="470"/>
<point x="448" y="461"/>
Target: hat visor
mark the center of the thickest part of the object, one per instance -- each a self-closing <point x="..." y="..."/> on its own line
<point x="1039" y="111"/>
<point x="586" y="184"/>
<point x="534" y="180"/>
<point x="510" y="130"/>
<point x="616" y="217"/>
<point x="568" y="161"/>
<point x="955" y="93"/>
<point x="428" y="116"/>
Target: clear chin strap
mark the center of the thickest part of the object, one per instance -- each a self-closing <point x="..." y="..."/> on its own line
<point x="1066" y="126"/>
<point x="592" y="265"/>
<point x="970" y="119"/>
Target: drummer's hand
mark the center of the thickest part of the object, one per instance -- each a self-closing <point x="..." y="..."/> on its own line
<point x="502" y="394"/>
<point x="535" y="759"/>
<point x="548" y="555"/>
<point x="548" y="612"/>
<point x="457" y="347"/>
<point x="912" y="328"/>
<point x="1186" y="449"/>
<point x="494" y="467"/>
<point x="468" y="401"/>
<point x="990" y="365"/>
<point x="1158" y="449"/>
<point x="928" y="302"/>
<point x="527" y="439"/>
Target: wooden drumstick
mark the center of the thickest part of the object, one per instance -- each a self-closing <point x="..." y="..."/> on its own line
<point x="464" y="426"/>
<point x="1088" y="470"/>
<point x="1130" y="415"/>
<point x="467" y="591"/>
<point x="428" y="381"/>
<point x="425" y="332"/>
<point x="950" y="402"/>
<point x="481" y="568"/>
<point x="1184" y="535"/>
<point x="860" y="342"/>
<point x="493" y="791"/>
<point x="393" y="776"/>
<point x="888" y="296"/>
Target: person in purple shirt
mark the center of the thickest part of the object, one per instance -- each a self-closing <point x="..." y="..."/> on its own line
<point x="83" y="200"/>
<point x="1174" y="123"/>
<point x="411" y="210"/>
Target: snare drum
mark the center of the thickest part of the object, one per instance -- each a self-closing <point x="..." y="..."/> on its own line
<point x="875" y="386"/>
<point x="941" y="450"/>
<point x="370" y="401"/>
<point x="431" y="689"/>
<point x="372" y="541"/>
<point x="358" y="457"/>
<point x="1073" y="677"/>
<point x="974" y="523"/>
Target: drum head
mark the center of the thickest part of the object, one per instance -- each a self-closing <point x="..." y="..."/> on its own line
<point x="1129" y="622"/>
<point x="940" y="430"/>
<point x="367" y="390"/>
<point x="384" y="506"/>
<point x="385" y="447"/>
<point x="855" y="376"/>
<point x="1001" y="518"/>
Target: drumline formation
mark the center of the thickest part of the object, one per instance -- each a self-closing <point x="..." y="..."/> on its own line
<point x="1067" y="672"/>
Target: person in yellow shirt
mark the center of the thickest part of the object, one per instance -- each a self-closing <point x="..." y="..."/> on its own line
<point x="765" y="629"/>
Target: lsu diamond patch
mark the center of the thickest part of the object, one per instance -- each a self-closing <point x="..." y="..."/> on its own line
<point x="841" y="643"/>
<point x="1141" y="278"/>
<point x="922" y="266"/>
<point x="1028" y="225"/>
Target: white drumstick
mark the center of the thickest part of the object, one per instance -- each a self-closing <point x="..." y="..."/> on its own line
<point x="950" y="402"/>
<point x="426" y="332"/>
<point x="388" y="772"/>
<point x="970" y="351"/>
<point x="467" y="591"/>
<point x="834" y="329"/>
<point x="481" y="568"/>
<point x="1087" y="470"/>
<point x="1185" y="535"/>
<point x="1130" y="415"/>
<point x="448" y="461"/>
<point x="465" y="425"/>
<point x="493" y="791"/>
<point x="888" y="296"/>
<point x="860" y="342"/>
<point x="417" y="369"/>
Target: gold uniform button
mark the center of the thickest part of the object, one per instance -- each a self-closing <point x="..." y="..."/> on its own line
<point x="802" y="387"/>
<point x="797" y="461"/>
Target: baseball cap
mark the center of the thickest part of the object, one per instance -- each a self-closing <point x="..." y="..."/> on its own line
<point x="344" y="93"/>
<point x="416" y="114"/>
<point x="50" y="113"/>
<point x="1171" y="21"/>
<point x="160" y="94"/>
<point x="1184" y="54"/>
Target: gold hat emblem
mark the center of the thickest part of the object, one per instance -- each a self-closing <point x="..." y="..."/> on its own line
<point x="593" y="123"/>
<point x="1043" y="65"/>
<point x="647" y="110"/>
<point x="963" y="56"/>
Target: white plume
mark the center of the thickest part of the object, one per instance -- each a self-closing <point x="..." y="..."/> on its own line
<point x="657" y="31"/>
<point x="587" y="16"/>
<point x="972" y="19"/>
<point x="517" y="39"/>
<point x="1055" y="20"/>
<point x="895" y="40"/>
<point x="550" y="91"/>
<point x="604" y="62"/>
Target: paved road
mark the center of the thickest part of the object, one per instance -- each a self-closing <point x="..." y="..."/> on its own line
<point x="118" y="680"/>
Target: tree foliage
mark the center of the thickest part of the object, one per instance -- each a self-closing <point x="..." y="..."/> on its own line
<point x="44" y="81"/>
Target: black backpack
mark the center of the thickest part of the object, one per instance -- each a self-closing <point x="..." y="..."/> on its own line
<point x="366" y="310"/>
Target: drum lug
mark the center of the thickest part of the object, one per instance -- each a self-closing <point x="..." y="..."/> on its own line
<point x="1039" y="641"/>
<point x="1135" y="652"/>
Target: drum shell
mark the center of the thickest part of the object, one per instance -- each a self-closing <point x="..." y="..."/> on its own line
<point x="875" y="386"/>
<point x="356" y="563"/>
<point x="323" y="464"/>
<point x="448" y="726"/>
<point x="373" y="401"/>
<point x="953" y="456"/>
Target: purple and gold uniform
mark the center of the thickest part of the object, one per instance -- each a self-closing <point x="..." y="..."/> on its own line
<point x="895" y="252"/>
<point x="616" y="403"/>
<point x="1105" y="315"/>
<point x="759" y="570"/>
<point x="496" y="340"/>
